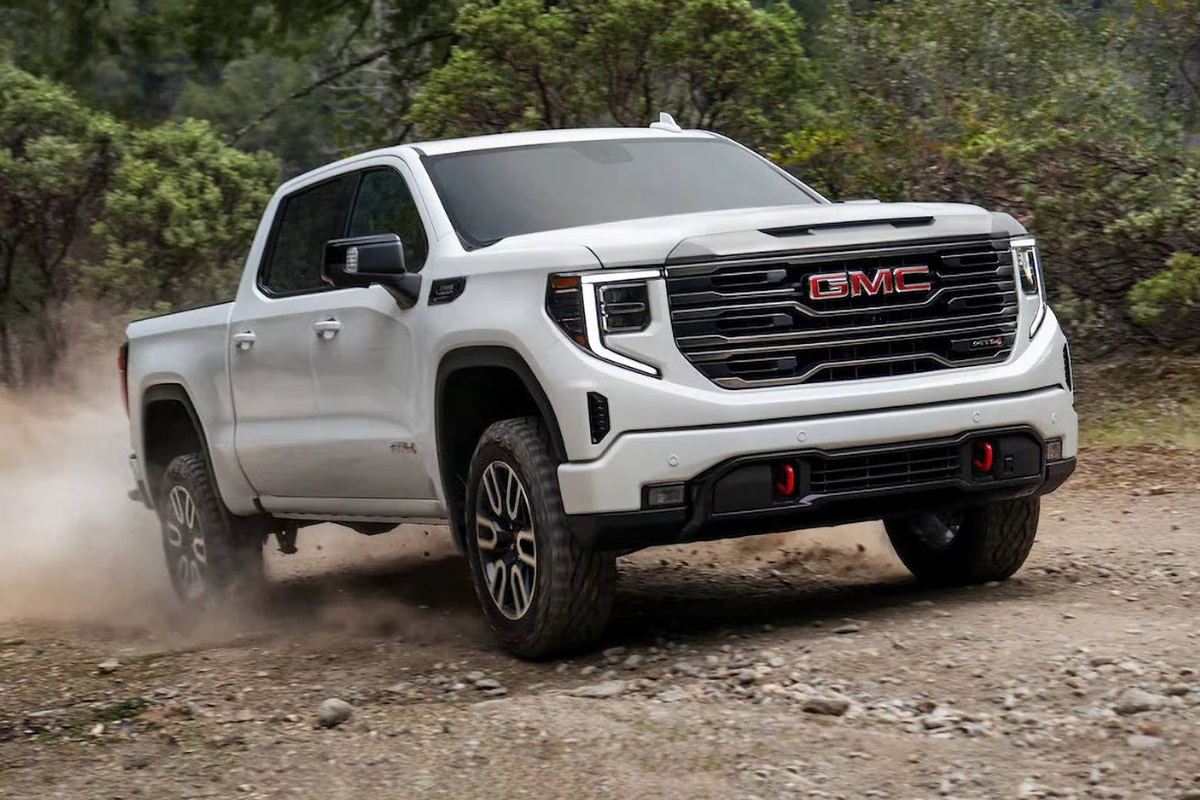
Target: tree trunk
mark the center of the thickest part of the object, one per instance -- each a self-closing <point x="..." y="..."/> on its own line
<point x="50" y="332"/>
<point x="6" y="359"/>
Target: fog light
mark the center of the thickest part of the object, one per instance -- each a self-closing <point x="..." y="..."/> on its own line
<point x="670" y="494"/>
<point x="1054" y="451"/>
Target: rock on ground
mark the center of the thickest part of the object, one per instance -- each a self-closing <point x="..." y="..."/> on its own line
<point x="334" y="712"/>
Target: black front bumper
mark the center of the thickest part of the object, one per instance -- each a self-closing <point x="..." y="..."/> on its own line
<point x="727" y="501"/>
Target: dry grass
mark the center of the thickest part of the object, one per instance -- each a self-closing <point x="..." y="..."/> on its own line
<point x="1140" y="399"/>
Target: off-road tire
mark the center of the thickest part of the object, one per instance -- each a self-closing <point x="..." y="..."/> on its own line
<point x="233" y="555"/>
<point x="992" y="542"/>
<point x="574" y="586"/>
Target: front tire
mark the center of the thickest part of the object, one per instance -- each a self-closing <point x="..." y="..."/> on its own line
<point x="210" y="560"/>
<point x="961" y="548"/>
<point x="542" y="592"/>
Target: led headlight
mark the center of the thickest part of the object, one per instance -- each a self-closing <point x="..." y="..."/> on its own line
<point x="1028" y="267"/>
<point x="591" y="307"/>
<point x="624" y="307"/>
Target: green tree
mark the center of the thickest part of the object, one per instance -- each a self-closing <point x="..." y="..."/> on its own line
<point x="56" y="159"/>
<point x="1016" y="105"/>
<point x="720" y="64"/>
<point x="302" y="133"/>
<point x="1168" y="304"/>
<point x="179" y="218"/>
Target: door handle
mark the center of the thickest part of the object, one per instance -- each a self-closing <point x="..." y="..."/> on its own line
<point x="327" y="328"/>
<point x="244" y="340"/>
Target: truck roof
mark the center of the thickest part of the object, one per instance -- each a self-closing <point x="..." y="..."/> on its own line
<point x="501" y="140"/>
<point x="527" y="138"/>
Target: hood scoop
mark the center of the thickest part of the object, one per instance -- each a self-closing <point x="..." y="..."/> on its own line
<point x="809" y="230"/>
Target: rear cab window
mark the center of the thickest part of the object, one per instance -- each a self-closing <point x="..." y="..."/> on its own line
<point x="305" y="221"/>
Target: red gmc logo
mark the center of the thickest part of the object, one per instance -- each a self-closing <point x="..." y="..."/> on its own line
<point x="855" y="283"/>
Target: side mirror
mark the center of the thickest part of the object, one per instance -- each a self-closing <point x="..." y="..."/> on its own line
<point x="367" y="260"/>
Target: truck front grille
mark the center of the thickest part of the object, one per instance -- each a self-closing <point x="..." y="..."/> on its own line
<point x="753" y="323"/>
<point x="838" y="474"/>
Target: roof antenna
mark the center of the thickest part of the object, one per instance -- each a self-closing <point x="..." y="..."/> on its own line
<point x="666" y="123"/>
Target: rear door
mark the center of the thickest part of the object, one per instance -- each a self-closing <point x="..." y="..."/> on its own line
<point x="279" y="438"/>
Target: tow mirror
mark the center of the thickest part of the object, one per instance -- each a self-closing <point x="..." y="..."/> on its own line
<point x="367" y="260"/>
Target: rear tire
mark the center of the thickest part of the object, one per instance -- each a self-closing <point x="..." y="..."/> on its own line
<point x="210" y="559"/>
<point x="542" y="593"/>
<point x="975" y="545"/>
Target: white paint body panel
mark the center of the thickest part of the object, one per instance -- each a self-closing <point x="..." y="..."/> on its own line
<point x="322" y="428"/>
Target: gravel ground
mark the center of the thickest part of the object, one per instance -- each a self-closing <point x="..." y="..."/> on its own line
<point x="798" y="666"/>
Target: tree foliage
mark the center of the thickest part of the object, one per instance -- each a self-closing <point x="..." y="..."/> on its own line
<point x="1016" y="105"/>
<point x="178" y="219"/>
<point x="523" y="64"/>
<point x="1169" y="302"/>
<point x="56" y="159"/>
<point x="1079" y="117"/>
<point x="90" y="209"/>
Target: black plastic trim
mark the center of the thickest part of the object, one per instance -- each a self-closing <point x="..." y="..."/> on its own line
<point x="446" y="290"/>
<point x="820" y="253"/>
<point x="712" y="476"/>
<point x="1068" y="368"/>
<point x="493" y="356"/>
<point x="599" y="416"/>
<point x="647" y="528"/>
<point x="175" y="393"/>
<point x="1057" y="473"/>
<point x="467" y="358"/>
<point x="805" y="230"/>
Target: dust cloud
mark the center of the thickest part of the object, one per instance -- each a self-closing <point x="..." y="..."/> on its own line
<point x="74" y="549"/>
<point x="73" y="546"/>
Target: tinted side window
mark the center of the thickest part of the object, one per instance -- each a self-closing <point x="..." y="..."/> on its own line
<point x="306" y="221"/>
<point x="385" y="205"/>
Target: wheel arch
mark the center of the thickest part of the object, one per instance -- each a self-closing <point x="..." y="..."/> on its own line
<point x="462" y="411"/>
<point x="170" y="426"/>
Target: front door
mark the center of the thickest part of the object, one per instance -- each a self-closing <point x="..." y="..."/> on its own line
<point x="364" y="361"/>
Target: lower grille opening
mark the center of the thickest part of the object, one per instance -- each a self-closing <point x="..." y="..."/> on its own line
<point x="832" y="475"/>
<point x="804" y="479"/>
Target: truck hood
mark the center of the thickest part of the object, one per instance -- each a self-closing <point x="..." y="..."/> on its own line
<point x="717" y="234"/>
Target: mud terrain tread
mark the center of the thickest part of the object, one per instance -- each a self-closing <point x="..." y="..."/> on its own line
<point x="576" y="586"/>
<point x="992" y="543"/>
<point x="1010" y="529"/>
<point x="235" y="562"/>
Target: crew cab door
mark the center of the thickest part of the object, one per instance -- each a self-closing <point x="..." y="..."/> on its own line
<point x="365" y="364"/>
<point x="278" y="436"/>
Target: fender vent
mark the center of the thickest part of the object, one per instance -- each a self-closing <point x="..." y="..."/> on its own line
<point x="598" y="417"/>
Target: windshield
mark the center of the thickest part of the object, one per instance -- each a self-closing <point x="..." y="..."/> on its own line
<point x="493" y="194"/>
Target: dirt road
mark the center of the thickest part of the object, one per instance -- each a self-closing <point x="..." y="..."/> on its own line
<point x="805" y="666"/>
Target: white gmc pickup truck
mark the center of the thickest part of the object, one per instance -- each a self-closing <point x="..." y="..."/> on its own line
<point x="574" y="344"/>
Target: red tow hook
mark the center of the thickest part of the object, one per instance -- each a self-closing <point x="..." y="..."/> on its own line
<point x="785" y="481"/>
<point x="984" y="455"/>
